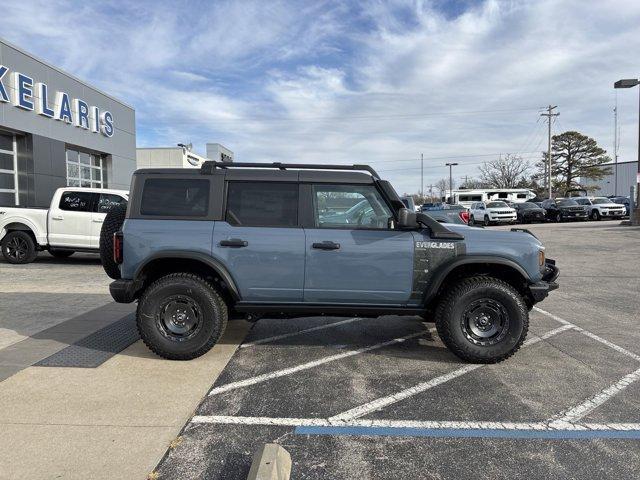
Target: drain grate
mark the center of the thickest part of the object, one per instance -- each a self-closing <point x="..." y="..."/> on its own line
<point x="95" y="349"/>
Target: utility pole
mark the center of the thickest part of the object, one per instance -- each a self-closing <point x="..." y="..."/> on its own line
<point x="615" y="152"/>
<point x="549" y="114"/>
<point x="450" y="165"/>
<point x="422" y="175"/>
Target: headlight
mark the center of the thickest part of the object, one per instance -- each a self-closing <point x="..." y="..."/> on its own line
<point x="541" y="258"/>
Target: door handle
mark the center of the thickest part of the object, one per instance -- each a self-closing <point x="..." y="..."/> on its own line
<point x="326" y="245"/>
<point x="57" y="217"/>
<point x="234" y="242"/>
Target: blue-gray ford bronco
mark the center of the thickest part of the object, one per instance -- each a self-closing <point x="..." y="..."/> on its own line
<point x="198" y="246"/>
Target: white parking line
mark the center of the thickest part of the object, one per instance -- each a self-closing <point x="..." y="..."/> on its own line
<point x="383" y="402"/>
<point x="288" y="371"/>
<point x="293" y="334"/>
<point x="589" y="334"/>
<point x="580" y="411"/>
<point x="324" y="422"/>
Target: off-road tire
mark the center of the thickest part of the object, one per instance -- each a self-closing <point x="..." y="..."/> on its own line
<point x="112" y="223"/>
<point x="18" y="247"/>
<point x="149" y="321"/>
<point x="448" y="318"/>
<point x="61" y="253"/>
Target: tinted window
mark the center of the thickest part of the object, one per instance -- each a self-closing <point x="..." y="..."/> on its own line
<point x="527" y="205"/>
<point x="567" y="202"/>
<point x="350" y="206"/>
<point x="582" y="201"/>
<point x="77" y="201"/>
<point x="521" y="195"/>
<point x="264" y="204"/>
<point x="175" y="197"/>
<point x="107" y="201"/>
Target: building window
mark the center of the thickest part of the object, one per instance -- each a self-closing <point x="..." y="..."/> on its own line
<point x="8" y="170"/>
<point x="84" y="170"/>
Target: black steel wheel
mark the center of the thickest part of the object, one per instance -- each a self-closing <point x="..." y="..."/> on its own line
<point x="482" y="319"/>
<point x="181" y="316"/>
<point x="18" y="247"/>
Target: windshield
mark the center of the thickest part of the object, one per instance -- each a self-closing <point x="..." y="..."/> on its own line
<point x="497" y="205"/>
<point x="527" y="205"/>
<point x="567" y="202"/>
<point x="582" y="201"/>
<point x="600" y="201"/>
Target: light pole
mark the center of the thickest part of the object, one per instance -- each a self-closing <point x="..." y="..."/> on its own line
<point x="450" y="165"/>
<point x="629" y="83"/>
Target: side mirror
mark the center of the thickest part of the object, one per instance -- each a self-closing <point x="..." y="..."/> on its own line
<point x="407" y="218"/>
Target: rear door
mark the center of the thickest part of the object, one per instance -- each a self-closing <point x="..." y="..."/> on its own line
<point x="260" y="240"/>
<point x="70" y="219"/>
<point x="352" y="254"/>
<point x="106" y="201"/>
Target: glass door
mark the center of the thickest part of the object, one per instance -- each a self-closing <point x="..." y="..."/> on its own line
<point x="8" y="170"/>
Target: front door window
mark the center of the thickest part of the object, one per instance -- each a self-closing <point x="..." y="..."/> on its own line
<point x="350" y="206"/>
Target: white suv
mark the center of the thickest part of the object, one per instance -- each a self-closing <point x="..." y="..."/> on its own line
<point x="601" y="207"/>
<point x="491" y="212"/>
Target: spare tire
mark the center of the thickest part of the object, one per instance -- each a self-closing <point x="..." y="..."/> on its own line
<point x="112" y="223"/>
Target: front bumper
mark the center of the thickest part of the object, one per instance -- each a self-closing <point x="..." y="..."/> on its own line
<point x="540" y="290"/>
<point x="124" y="291"/>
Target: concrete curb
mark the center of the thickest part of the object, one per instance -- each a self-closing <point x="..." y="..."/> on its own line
<point x="270" y="462"/>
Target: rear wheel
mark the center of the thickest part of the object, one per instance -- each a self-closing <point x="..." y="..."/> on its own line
<point x="181" y="316"/>
<point x="482" y="320"/>
<point x="112" y="223"/>
<point x="18" y="247"/>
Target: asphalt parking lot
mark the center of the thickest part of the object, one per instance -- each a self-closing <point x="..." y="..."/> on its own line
<point x="383" y="398"/>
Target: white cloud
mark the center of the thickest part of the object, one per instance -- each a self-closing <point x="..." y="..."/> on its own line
<point x="346" y="82"/>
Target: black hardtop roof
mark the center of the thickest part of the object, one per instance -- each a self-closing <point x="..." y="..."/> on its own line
<point x="276" y="172"/>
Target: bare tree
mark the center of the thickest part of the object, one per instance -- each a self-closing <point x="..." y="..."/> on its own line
<point x="504" y="172"/>
<point x="442" y="186"/>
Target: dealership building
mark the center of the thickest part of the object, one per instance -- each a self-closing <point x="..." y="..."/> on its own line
<point x="57" y="131"/>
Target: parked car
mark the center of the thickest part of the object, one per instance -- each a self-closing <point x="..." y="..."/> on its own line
<point x="71" y="224"/>
<point x="623" y="201"/>
<point x="409" y="203"/>
<point x="426" y="207"/>
<point x="455" y="216"/>
<point x="561" y="209"/>
<point x="196" y="245"/>
<point x="528" y="212"/>
<point x="491" y="212"/>
<point x="601" y="207"/>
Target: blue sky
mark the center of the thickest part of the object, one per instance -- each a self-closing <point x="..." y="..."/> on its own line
<point x="350" y="82"/>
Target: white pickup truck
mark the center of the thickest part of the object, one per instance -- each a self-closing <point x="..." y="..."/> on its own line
<point x="71" y="224"/>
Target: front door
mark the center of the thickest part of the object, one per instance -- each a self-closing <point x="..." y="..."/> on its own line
<point x="352" y="254"/>
<point x="260" y="241"/>
<point x="70" y="219"/>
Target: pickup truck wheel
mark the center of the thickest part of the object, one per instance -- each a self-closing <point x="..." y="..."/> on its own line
<point x="181" y="316"/>
<point x="61" y="253"/>
<point x="482" y="320"/>
<point x="112" y="223"/>
<point x="18" y="247"/>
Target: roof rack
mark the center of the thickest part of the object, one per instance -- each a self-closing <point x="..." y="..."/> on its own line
<point x="209" y="166"/>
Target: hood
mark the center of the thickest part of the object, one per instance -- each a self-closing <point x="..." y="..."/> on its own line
<point x="482" y="235"/>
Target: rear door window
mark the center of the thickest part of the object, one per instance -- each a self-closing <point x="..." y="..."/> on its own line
<point x="176" y="197"/>
<point x="262" y="204"/>
<point x="77" y="201"/>
<point x="107" y="201"/>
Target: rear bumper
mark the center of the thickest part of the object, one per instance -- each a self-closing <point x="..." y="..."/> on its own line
<point x="124" y="291"/>
<point x="540" y="290"/>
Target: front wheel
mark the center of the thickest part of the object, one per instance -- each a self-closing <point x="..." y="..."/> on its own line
<point x="472" y="220"/>
<point x="181" y="316"/>
<point x="18" y="247"/>
<point x="558" y="217"/>
<point x="487" y="222"/>
<point x="482" y="320"/>
<point x="596" y="215"/>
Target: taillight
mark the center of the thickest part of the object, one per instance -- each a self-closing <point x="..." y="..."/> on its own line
<point x="464" y="215"/>
<point x="117" y="247"/>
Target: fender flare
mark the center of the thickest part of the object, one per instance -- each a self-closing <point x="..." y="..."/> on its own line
<point x="211" y="262"/>
<point x="458" y="261"/>
<point x="20" y="223"/>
